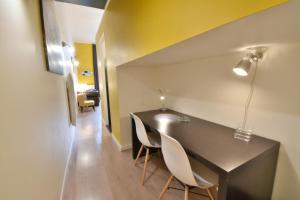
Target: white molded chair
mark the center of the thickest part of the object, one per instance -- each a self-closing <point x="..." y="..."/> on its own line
<point x="146" y="143"/>
<point x="179" y="165"/>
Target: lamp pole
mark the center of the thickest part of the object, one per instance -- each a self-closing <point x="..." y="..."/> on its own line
<point x="249" y="98"/>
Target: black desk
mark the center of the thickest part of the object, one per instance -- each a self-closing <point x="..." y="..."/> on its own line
<point x="246" y="170"/>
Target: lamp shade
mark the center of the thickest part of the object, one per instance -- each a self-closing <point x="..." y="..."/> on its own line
<point x="243" y="67"/>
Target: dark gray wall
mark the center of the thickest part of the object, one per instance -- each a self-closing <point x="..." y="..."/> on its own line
<point x="91" y="3"/>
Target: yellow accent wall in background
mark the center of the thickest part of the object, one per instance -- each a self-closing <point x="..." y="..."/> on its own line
<point x="84" y="54"/>
<point x="135" y="28"/>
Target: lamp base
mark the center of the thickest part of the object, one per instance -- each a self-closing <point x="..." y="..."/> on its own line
<point x="163" y="109"/>
<point x="184" y="118"/>
<point x="243" y="134"/>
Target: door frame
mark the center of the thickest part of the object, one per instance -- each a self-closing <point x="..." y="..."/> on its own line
<point x="103" y="63"/>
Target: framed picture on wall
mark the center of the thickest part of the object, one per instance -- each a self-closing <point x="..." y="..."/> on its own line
<point x="51" y="38"/>
<point x="72" y="100"/>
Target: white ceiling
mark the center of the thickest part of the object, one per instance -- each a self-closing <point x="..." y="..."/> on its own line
<point x="78" y="23"/>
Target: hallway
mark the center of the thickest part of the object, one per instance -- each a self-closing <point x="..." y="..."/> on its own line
<point x="99" y="171"/>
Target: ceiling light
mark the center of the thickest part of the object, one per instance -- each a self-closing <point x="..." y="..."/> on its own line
<point x="72" y="50"/>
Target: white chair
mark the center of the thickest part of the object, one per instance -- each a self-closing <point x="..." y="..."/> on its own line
<point x="146" y="143"/>
<point x="179" y="165"/>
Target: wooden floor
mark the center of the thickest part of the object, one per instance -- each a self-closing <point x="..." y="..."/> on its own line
<point x="99" y="171"/>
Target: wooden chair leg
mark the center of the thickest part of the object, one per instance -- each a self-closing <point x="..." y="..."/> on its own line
<point x="211" y="197"/>
<point x="81" y="108"/>
<point x="94" y="108"/>
<point x="165" y="189"/>
<point x="139" y="154"/>
<point x="186" y="193"/>
<point x="159" y="154"/>
<point x="145" y="166"/>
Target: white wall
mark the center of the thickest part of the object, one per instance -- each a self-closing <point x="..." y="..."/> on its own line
<point x="198" y="76"/>
<point x="35" y="135"/>
<point x="138" y="91"/>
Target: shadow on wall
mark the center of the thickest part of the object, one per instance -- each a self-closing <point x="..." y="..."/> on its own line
<point x="138" y="91"/>
<point x="289" y="178"/>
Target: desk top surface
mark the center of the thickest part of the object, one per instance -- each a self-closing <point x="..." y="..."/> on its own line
<point x="206" y="141"/>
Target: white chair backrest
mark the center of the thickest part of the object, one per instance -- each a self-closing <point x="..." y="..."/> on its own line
<point x="141" y="131"/>
<point x="177" y="160"/>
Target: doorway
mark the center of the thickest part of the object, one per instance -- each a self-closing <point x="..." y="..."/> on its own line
<point x="104" y="83"/>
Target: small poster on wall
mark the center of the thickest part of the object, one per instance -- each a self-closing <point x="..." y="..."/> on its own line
<point x="51" y="37"/>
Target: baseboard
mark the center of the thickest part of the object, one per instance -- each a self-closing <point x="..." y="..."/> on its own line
<point x="67" y="166"/>
<point x="126" y="147"/>
<point x="121" y="147"/>
<point x="116" y="142"/>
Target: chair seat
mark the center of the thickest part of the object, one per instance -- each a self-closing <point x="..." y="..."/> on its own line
<point x="89" y="102"/>
<point x="154" y="139"/>
<point x="204" y="176"/>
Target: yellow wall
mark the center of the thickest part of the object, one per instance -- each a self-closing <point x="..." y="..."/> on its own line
<point x="84" y="54"/>
<point x="136" y="28"/>
<point x="35" y="134"/>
